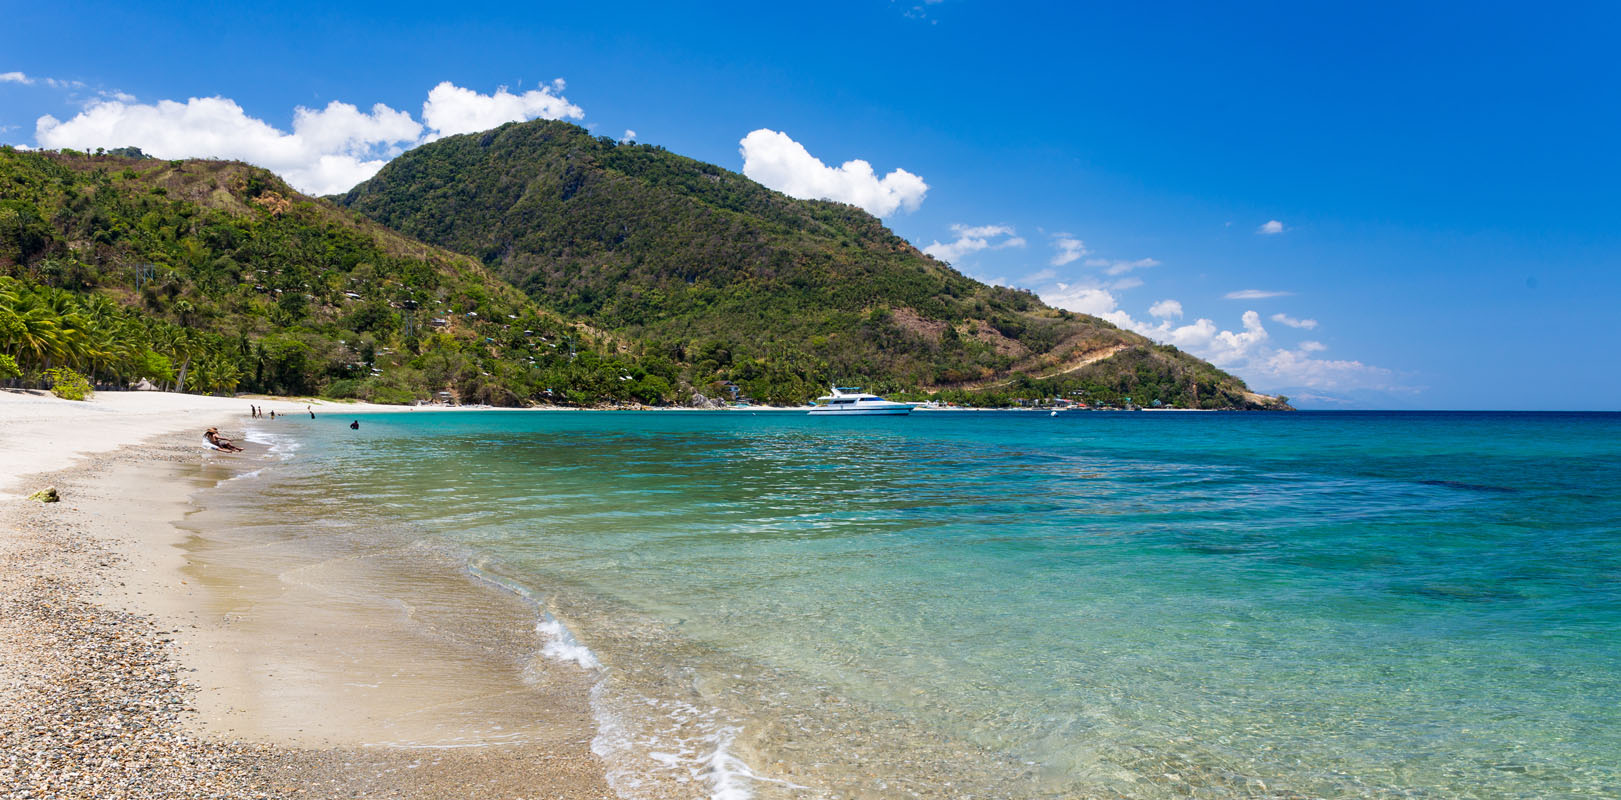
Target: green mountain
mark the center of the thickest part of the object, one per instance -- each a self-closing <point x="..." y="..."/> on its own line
<point x="647" y="277"/>
<point x="733" y="281"/>
<point x="216" y="276"/>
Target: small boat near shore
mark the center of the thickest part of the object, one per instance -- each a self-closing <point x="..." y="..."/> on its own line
<point x="851" y="401"/>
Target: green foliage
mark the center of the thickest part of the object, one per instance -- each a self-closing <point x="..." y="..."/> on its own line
<point x="231" y="281"/>
<point x="740" y="283"/>
<point x="9" y="368"/>
<point x="646" y="277"/>
<point x="68" y="385"/>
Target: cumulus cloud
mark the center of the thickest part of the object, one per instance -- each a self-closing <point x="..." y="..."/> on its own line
<point x="1307" y="324"/>
<point x="1270" y="228"/>
<point x="1069" y="249"/>
<point x="1166" y="309"/>
<point x="328" y="150"/>
<point x="777" y="161"/>
<point x="451" y="109"/>
<point x="1299" y="368"/>
<point x="1248" y="351"/>
<point x="630" y="136"/>
<point x="1082" y="299"/>
<point x="14" y="77"/>
<point x="974" y="238"/>
<point x="1254" y="294"/>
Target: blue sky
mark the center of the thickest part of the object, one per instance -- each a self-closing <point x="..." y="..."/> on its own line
<point x="1444" y="177"/>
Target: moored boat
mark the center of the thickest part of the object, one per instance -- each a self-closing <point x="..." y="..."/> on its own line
<point x="851" y="401"/>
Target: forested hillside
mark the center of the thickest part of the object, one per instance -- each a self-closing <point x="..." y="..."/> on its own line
<point x="735" y="281"/>
<point x="647" y="278"/>
<point x="215" y="276"/>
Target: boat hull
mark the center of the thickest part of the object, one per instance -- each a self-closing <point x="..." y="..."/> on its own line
<point x="891" y="411"/>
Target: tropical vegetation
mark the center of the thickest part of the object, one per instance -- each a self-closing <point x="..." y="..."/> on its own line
<point x="216" y="277"/>
<point x="646" y="278"/>
<point x="736" y="282"/>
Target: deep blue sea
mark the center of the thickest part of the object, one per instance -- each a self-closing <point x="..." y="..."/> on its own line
<point x="1014" y="604"/>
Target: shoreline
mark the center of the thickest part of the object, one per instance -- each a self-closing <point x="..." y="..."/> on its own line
<point x="166" y="701"/>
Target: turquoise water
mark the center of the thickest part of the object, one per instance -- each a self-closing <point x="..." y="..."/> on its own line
<point x="1015" y="604"/>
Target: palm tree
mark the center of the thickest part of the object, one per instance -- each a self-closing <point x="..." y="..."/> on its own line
<point x="31" y="329"/>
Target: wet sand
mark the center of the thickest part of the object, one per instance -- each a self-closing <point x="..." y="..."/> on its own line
<point x="141" y="658"/>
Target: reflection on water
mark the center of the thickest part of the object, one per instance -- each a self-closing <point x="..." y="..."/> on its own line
<point x="1148" y="605"/>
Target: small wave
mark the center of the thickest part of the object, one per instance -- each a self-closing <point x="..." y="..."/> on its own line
<point x="244" y="476"/>
<point x="562" y="646"/>
<point x="278" y="444"/>
<point x="647" y="741"/>
<point x="560" y="642"/>
<point x="642" y="740"/>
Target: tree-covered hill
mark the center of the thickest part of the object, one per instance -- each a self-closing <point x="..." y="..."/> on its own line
<point x="735" y="281"/>
<point x="216" y="276"/>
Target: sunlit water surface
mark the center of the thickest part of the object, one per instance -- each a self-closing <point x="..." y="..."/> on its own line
<point x="1022" y="605"/>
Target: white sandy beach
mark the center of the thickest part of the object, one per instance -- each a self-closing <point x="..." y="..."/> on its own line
<point x="42" y="433"/>
<point x="218" y="671"/>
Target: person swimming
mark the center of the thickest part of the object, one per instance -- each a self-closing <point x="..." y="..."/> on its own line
<point x="213" y="437"/>
<point x="354" y="426"/>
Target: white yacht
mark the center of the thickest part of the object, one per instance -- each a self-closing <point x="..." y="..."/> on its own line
<point x="851" y="400"/>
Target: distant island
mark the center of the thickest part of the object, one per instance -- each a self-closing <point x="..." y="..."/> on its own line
<point x="533" y="264"/>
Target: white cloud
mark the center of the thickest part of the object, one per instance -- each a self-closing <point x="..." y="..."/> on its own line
<point x="1307" y="324"/>
<point x="1270" y="228"/>
<point x="972" y="239"/>
<point x="774" y="159"/>
<point x="26" y="80"/>
<point x="1166" y="309"/>
<point x="1094" y="300"/>
<point x="1126" y="283"/>
<point x="1254" y="294"/>
<point x="329" y="149"/>
<point x="451" y="109"/>
<point x="1069" y="249"/>
<point x="1248" y="352"/>
<point x="630" y="136"/>
<point x="1298" y="368"/>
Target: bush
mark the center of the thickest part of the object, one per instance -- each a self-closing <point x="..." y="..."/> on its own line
<point x="390" y="395"/>
<point x="8" y="368"/>
<point x="68" y="385"/>
<point x="345" y="389"/>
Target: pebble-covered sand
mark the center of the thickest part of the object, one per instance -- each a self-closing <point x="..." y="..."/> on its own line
<point x="91" y="697"/>
<point x="94" y="699"/>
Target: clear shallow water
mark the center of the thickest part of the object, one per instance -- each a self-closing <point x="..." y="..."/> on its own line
<point x="1012" y="604"/>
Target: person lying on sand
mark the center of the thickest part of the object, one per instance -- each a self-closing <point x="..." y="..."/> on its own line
<point x="213" y="437"/>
